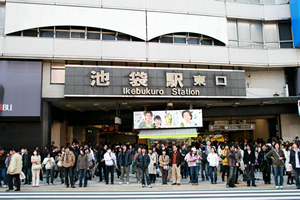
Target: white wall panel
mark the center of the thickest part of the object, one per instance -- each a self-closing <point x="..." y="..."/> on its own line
<point x="277" y="12"/>
<point x="168" y="52"/>
<point x="207" y="7"/>
<point x="208" y="54"/>
<point x="25" y="16"/>
<point x="243" y="10"/>
<point x="123" y="50"/>
<point x="128" y="4"/>
<point x="31" y="47"/>
<point x="178" y="6"/>
<point x="283" y="57"/>
<point x="74" y="48"/>
<point x="164" y="23"/>
<point x="248" y="56"/>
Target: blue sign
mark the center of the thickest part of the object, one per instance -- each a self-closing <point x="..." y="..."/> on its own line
<point x="295" y="17"/>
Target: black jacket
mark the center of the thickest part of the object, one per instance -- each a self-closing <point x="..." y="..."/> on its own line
<point x="26" y="162"/>
<point x="248" y="157"/>
<point x="261" y="156"/>
<point x="142" y="161"/>
<point x="179" y="158"/>
<point x="293" y="159"/>
<point x="100" y="156"/>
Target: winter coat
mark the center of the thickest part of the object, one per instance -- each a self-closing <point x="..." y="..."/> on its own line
<point x="127" y="158"/>
<point x="276" y="162"/>
<point x="143" y="161"/>
<point x="15" y="165"/>
<point x="225" y="160"/>
<point x="152" y="164"/>
<point x="293" y="159"/>
<point x="164" y="160"/>
<point x="71" y="160"/>
<point x="213" y="159"/>
<point x="82" y="162"/>
<point x="48" y="162"/>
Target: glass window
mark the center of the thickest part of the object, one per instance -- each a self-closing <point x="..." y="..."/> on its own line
<point x="108" y="36"/>
<point x="30" y="33"/>
<point x="232" y="31"/>
<point x="93" y="36"/>
<point x="244" y="30"/>
<point x="136" y="39"/>
<point x="77" y="35"/>
<point x="193" y="41"/>
<point x="218" y="43"/>
<point x="286" y="45"/>
<point x="2" y="15"/>
<point x="180" y="40"/>
<point x="270" y="31"/>
<point x="256" y="32"/>
<point x="257" y="45"/>
<point x="123" y="37"/>
<point x="62" y="34"/>
<point x="166" y="39"/>
<point x="57" y="76"/>
<point x="285" y="31"/>
<point x="206" y="42"/>
<point x="154" y="40"/>
<point x="15" y="33"/>
<point x="46" y="34"/>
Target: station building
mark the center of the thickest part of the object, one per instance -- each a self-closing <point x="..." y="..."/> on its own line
<point x="80" y="69"/>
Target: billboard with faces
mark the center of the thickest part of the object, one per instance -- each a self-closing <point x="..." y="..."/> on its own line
<point x="167" y="119"/>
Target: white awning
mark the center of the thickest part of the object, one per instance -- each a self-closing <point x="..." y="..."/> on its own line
<point x="168" y="133"/>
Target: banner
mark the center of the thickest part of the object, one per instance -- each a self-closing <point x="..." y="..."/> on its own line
<point x="167" y="119"/>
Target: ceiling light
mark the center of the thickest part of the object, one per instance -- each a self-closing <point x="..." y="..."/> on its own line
<point x="96" y="104"/>
<point x="236" y="104"/>
<point x="208" y="105"/>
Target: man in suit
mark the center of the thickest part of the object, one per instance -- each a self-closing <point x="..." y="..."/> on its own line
<point x="249" y="160"/>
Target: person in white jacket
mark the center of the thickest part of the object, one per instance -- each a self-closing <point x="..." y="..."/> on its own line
<point x="49" y="163"/>
<point x="213" y="160"/>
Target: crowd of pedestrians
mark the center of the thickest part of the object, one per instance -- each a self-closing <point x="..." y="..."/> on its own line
<point x="76" y="165"/>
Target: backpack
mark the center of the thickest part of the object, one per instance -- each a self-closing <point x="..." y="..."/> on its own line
<point x="204" y="158"/>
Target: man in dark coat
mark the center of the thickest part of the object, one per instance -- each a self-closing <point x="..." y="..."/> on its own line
<point x="142" y="161"/>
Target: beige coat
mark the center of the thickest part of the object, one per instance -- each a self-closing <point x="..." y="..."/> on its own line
<point x="15" y="165"/>
<point x="152" y="162"/>
<point x="71" y="160"/>
<point x="164" y="161"/>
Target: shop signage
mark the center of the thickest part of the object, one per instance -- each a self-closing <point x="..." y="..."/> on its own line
<point x="153" y="82"/>
<point x="299" y="107"/>
<point x="167" y="119"/>
<point x="232" y="127"/>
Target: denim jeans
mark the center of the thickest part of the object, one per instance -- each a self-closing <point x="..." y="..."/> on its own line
<point x="297" y="173"/>
<point x="27" y="173"/>
<point x="51" y="173"/>
<point x="3" y="175"/>
<point x="82" y="173"/>
<point x="204" y="168"/>
<point x="194" y="174"/>
<point x="208" y="169"/>
<point x="278" y="171"/>
<point x="69" y="174"/>
<point x="213" y="174"/>
<point x="231" y="177"/>
<point x="144" y="172"/>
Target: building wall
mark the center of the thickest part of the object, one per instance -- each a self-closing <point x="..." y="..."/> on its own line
<point x="55" y="133"/>
<point x="260" y="84"/>
<point x="261" y="129"/>
<point x="290" y="126"/>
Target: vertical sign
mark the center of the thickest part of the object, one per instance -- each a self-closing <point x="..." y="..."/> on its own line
<point x="299" y="107"/>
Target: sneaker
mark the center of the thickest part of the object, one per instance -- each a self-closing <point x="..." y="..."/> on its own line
<point x="149" y="186"/>
<point x="139" y="182"/>
<point x="281" y="187"/>
<point x="121" y="183"/>
<point x="127" y="183"/>
<point x="51" y="183"/>
<point x="143" y="186"/>
<point x="5" y="186"/>
<point x="277" y="187"/>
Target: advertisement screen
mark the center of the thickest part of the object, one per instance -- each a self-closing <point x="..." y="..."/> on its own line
<point x="167" y="119"/>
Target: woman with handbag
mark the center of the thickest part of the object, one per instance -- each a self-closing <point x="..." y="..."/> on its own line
<point x="36" y="167"/>
<point x="152" y="165"/>
<point x="49" y="164"/>
<point x="194" y="160"/>
<point x="278" y="158"/>
<point x="164" y="165"/>
<point x="213" y="160"/>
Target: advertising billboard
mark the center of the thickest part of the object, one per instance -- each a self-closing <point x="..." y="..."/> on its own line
<point x="20" y="88"/>
<point x="167" y="119"/>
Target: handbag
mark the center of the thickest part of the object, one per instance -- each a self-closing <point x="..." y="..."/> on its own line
<point x="247" y="177"/>
<point x="22" y="176"/>
<point x="222" y="157"/>
<point x="88" y="175"/>
<point x="166" y="167"/>
<point x="59" y="163"/>
<point x="37" y="167"/>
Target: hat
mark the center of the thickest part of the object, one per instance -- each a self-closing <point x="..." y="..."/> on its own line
<point x="269" y="145"/>
<point x="194" y="149"/>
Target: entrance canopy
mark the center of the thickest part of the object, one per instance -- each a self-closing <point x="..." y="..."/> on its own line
<point x="168" y="133"/>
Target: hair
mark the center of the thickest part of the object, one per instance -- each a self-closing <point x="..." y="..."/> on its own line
<point x="151" y="148"/>
<point x="232" y="145"/>
<point x="214" y="148"/>
<point x="1" y="148"/>
<point x="276" y="144"/>
<point x="187" y="111"/>
<point x="157" y="117"/>
<point x="297" y="144"/>
<point x="146" y="112"/>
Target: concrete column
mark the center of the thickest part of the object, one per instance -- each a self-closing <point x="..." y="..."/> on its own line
<point x="46" y="121"/>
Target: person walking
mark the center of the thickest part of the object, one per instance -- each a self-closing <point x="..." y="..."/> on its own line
<point x="14" y="170"/>
<point x="295" y="162"/>
<point x="2" y="168"/>
<point x="176" y="160"/>
<point x="143" y="161"/>
<point x="124" y="160"/>
<point x="164" y="166"/>
<point x="49" y="162"/>
<point x="82" y="166"/>
<point x="152" y="165"/>
<point x="35" y="168"/>
<point x="213" y="160"/>
<point x="110" y="162"/>
<point x="194" y="160"/>
<point x="265" y="164"/>
<point x="249" y="161"/>
<point x="68" y="161"/>
<point x="278" y="158"/>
